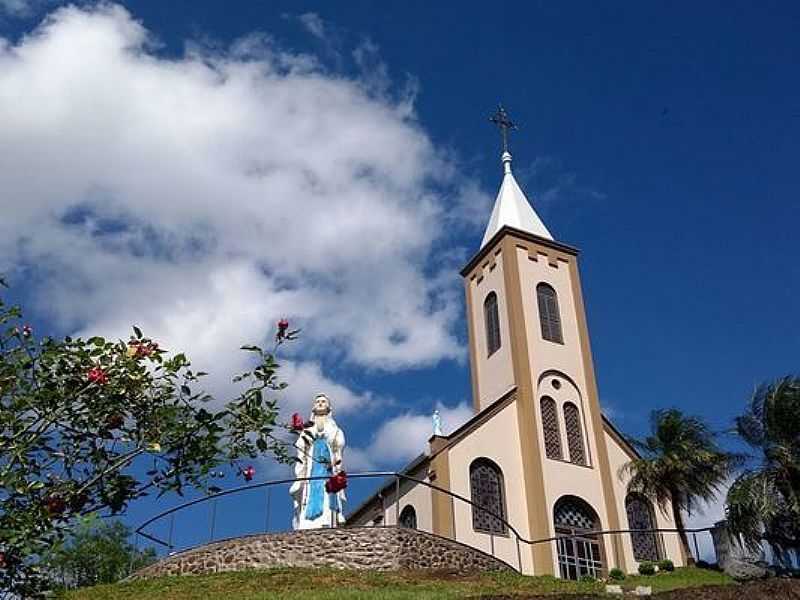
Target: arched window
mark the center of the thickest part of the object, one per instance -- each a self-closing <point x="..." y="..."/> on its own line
<point x="552" y="434"/>
<point x="641" y="516"/>
<point x="572" y="421"/>
<point x="580" y="553"/>
<point x="408" y="517"/>
<point x="486" y="490"/>
<point x="549" y="317"/>
<point x="492" y="320"/>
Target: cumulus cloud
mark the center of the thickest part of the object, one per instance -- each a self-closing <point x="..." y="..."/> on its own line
<point x="402" y="438"/>
<point x="205" y="196"/>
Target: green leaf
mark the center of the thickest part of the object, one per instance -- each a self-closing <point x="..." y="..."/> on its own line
<point x="137" y="332"/>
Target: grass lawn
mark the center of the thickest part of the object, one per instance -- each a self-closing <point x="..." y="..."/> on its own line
<point x="305" y="584"/>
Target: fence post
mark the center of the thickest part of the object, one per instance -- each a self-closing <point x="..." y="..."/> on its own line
<point x="696" y="549"/>
<point x="491" y="542"/>
<point x="266" y="516"/>
<point x="453" y="514"/>
<point x="519" y="554"/>
<point x="171" y="529"/>
<point x="134" y="553"/>
<point x="396" y="500"/>
<point x="213" y="519"/>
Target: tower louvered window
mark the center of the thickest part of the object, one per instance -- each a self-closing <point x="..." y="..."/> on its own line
<point x="640" y="516"/>
<point x="552" y="434"/>
<point x="492" y="320"/>
<point x="572" y="422"/>
<point x="549" y="317"/>
<point x="486" y="490"/>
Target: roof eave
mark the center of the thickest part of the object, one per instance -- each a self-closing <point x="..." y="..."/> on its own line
<point x="519" y="233"/>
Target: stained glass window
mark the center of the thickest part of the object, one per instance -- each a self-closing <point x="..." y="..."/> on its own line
<point x="552" y="434"/>
<point x="640" y="516"/>
<point x="486" y="488"/>
<point x="408" y="517"/>
<point x="572" y="421"/>
<point x="492" y="319"/>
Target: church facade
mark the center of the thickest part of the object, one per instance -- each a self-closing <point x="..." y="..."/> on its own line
<point x="539" y="455"/>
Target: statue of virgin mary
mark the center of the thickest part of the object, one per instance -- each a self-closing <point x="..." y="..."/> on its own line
<point x="319" y="452"/>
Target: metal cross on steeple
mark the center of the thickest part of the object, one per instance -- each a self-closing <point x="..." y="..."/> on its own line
<point x="504" y="122"/>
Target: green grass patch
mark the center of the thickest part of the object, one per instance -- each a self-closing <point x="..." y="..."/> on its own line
<point x="683" y="577"/>
<point x="330" y="584"/>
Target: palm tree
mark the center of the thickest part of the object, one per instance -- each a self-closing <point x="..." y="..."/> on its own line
<point x="764" y="501"/>
<point x="680" y="463"/>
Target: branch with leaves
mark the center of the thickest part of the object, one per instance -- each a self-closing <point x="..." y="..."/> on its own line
<point x="91" y="425"/>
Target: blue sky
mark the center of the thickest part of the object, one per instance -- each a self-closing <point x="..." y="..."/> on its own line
<point x="661" y="139"/>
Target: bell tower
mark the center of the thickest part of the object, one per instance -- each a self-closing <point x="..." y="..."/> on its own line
<point x="528" y="338"/>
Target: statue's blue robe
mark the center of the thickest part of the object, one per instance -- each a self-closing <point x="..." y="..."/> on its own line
<point x="320" y="467"/>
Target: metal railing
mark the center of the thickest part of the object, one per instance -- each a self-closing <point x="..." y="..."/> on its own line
<point x="391" y="489"/>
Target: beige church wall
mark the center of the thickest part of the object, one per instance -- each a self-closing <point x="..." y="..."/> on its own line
<point x="565" y="361"/>
<point x="414" y="494"/>
<point x="617" y="458"/>
<point x="494" y="374"/>
<point x="498" y="440"/>
<point x="547" y="356"/>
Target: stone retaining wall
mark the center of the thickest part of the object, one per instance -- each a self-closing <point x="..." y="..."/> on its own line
<point x="375" y="548"/>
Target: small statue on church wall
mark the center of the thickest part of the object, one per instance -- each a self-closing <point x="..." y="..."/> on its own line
<point x="437" y="423"/>
<point x="320" y="445"/>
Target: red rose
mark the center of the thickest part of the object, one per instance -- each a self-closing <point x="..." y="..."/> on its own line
<point x="283" y="325"/>
<point x="248" y="473"/>
<point x="297" y="422"/>
<point x="2" y="560"/>
<point x="336" y="483"/>
<point x="115" y="421"/>
<point x="55" y="505"/>
<point x="97" y="375"/>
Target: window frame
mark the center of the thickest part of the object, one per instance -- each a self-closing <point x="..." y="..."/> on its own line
<point x="578" y="436"/>
<point x="491" y="320"/>
<point x="657" y="541"/>
<point x="502" y="513"/>
<point x="554" y="430"/>
<point x="549" y="313"/>
<point x="408" y="509"/>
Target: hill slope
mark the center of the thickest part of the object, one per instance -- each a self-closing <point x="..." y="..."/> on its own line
<point x="305" y="584"/>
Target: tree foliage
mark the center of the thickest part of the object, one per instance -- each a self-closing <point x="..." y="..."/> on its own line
<point x="764" y="501"/>
<point x="90" y="425"/>
<point x="680" y="464"/>
<point x="99" y="551"/>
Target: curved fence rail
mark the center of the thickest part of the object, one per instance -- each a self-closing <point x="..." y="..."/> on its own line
<point x="230" y="514"/>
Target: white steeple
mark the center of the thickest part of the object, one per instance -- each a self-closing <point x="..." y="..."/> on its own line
<point x="512" y="208"/>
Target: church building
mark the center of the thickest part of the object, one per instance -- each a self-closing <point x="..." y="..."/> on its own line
<point x="538" y="455"/>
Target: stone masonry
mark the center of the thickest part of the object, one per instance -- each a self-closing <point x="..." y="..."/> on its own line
<point x="375" y="548"/>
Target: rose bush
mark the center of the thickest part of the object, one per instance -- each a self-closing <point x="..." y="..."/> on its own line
<point x="89" y="425"/>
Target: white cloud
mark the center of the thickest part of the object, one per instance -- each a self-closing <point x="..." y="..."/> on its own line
<point x="203" y="197"/>
<point x="314" y="24"/>
<point x="404" y="437"/>
<point x="705" y="514"/>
